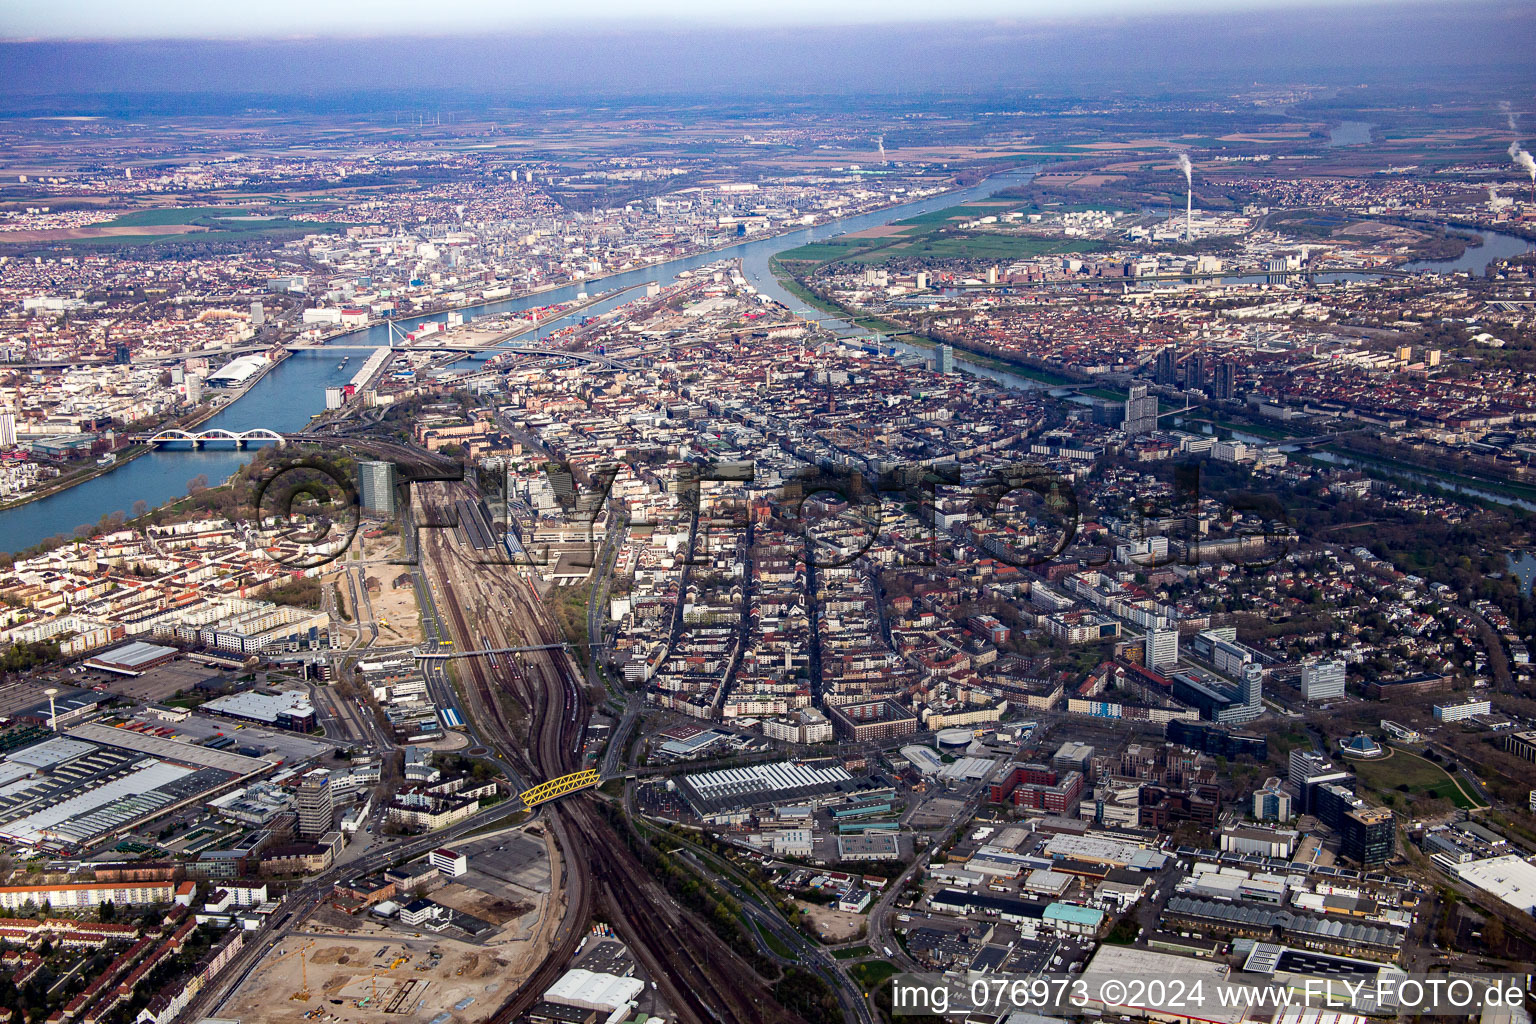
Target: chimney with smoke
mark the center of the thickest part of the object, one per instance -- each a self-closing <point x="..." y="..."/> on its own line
<point x="1189" y="199"/>
<point x="1527" y="165"/>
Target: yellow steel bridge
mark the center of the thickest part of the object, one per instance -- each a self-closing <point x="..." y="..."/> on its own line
<point x="546" y="791"/>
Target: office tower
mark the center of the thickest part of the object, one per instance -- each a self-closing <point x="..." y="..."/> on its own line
<point x="1272" y="803"/>
<point x="1332" y="801"/>
<point x="1107" y="413"/>
<point x="1226" y="381"/>
<point x="1194" y="371"/>
<point x="1368" y="835"/>
<point x="376" y="484"/>
<point x="7" y="427"/>
<point x="1311" y="773"/>
<point x="315" y="807"/>
<point x="194" y="388"/>
<point x="944" y="359"/>
<point x="1322" y="680"/>
<point x="258" y="314"/>
<point x="1304" y="764"/>
<point x="1140" y="411"/>
<point x="1167" y="372"/>
<point x="1162" y="648"/>
<point x="1252" y="692"/>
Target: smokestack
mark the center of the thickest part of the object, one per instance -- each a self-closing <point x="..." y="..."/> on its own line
<point x="1527" y="164"/>
<point x="1189" y="199"/>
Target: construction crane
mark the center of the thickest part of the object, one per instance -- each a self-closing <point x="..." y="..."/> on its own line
<point x="303" y="992"/>
<point x="374" y="975"/>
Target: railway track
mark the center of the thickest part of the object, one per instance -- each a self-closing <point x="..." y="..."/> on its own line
<point x="484" y="686"/>
<point x="694" y="971"/>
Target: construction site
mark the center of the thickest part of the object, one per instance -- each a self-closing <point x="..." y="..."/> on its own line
<point x="365" y="967"/>
<point x="358" y="979"/>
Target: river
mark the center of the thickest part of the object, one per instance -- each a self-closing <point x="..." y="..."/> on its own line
<point x="1398" y="470"/>
<point x="294" y="390"/>
<point x="1523" y="567"/>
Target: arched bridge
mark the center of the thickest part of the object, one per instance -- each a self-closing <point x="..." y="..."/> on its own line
<point x="380" y="448"/>
<point x="546" y="791"/>
<point x="240" y="438"/>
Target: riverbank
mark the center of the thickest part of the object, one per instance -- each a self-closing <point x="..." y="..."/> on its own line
<point x="1413" y="475"/>
<point x="657" y="264"/>
<point x="882" y="327"/>
<point x="1462" y="484"/>
<point x="287" y="399"/>
<point x="132" y="452"/>
<point x="1502" y="492"/>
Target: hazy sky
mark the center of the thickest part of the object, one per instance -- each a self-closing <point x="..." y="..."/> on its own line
<point x="1147" y="49"/>
<point x="162" y="19"/>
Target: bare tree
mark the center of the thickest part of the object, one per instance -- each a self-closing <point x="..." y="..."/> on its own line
<point x="140" y="507"/>
<point x="197" y="483"/>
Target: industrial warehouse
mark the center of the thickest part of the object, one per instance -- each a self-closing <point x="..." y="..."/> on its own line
<point x="787" y="781"/>
<point x="75" y="790"/>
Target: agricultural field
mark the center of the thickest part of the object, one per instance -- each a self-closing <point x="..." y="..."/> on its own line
<point x="148" y="226"/>
<point x="937" y="243"/>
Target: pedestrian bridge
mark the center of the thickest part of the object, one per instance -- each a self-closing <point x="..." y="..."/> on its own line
<point x="239" y="438"/>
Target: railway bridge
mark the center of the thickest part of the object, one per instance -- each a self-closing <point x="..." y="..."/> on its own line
<point x="558" y="787"/>
<point x="199" y="438"/>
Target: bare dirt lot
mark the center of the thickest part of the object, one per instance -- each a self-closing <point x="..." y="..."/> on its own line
<point x="484" y="905"/>
<point x="394" y="608"/>
<point x="378" y="980"/>
<point x="833" y="925"/>
<point x="73" y="234"/>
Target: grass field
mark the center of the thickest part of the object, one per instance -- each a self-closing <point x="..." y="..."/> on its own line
<point x="1421" y="777"/>
<point x="852" y="952"/>
<point x="197" y="224"/>
<point x="871" y="973"/>
<point x="772" y="941"/>
<point x="931" y="235"/>
<point x="934" y="245"/>
<point x="819" y="252"/>
<point x="268" y="229"/>
<point x="981" y="247"/>
<point x="938" y="218"/>
<point x="182" y="215"/>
